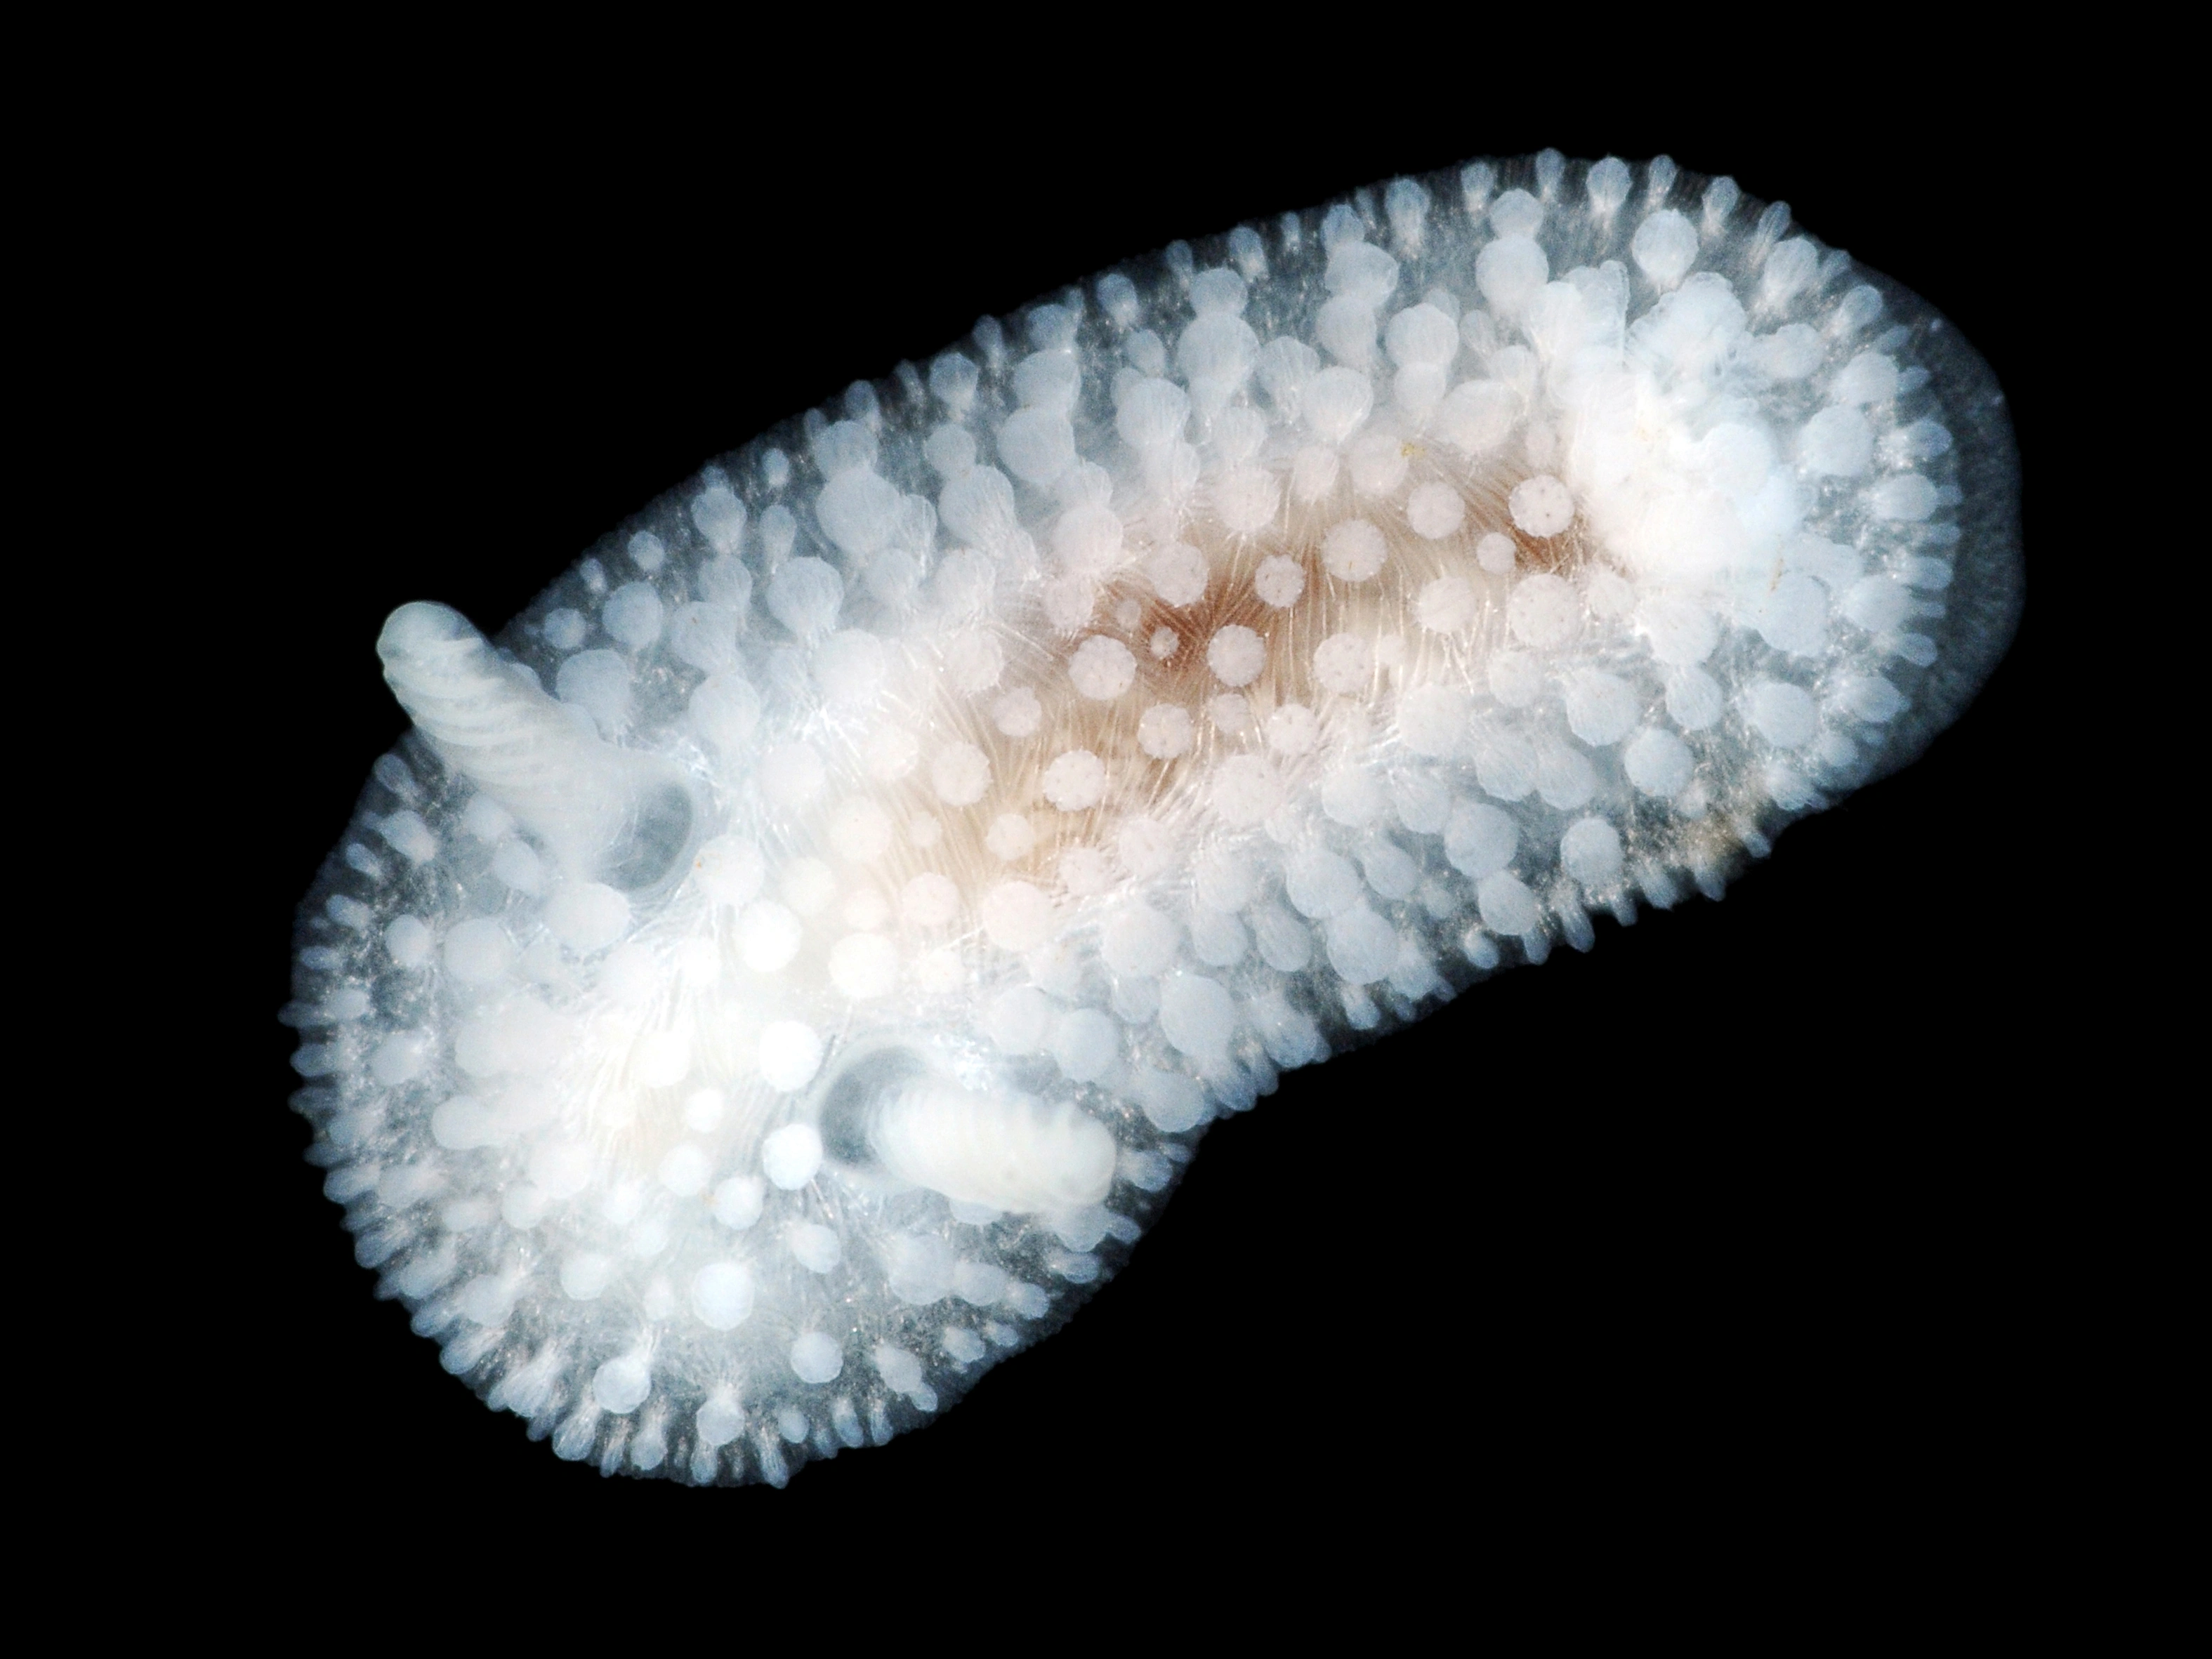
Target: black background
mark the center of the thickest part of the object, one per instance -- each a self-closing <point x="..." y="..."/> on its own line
<point x="1743" y="1214"/>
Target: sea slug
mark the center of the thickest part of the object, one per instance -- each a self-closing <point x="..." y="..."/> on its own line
<point x="786" y="970"/>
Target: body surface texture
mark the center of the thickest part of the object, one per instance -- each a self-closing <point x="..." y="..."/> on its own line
<point x="788" y="968"/>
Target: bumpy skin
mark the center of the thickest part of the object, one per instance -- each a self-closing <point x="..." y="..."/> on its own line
<point x="782" y="976"/>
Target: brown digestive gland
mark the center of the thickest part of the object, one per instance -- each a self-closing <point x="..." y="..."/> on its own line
<point x="1139" y="784"/>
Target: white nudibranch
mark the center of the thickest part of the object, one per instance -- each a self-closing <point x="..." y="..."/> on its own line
<point x="784" y="972"/>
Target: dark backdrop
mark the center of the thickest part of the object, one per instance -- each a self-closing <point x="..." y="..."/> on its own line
<point x="1742" y="1208"/>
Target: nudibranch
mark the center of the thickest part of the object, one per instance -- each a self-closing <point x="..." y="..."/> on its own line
<point x="786" y="970"/>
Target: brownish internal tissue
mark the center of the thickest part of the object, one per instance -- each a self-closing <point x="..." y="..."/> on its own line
<point x="1416" y="629"/>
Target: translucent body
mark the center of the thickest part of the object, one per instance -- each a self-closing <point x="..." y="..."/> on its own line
<point x="1013" y="750"/>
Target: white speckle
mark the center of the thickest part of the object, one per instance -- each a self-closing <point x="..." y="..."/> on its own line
<point x="1870" y="698"/>
<point x="1837" y="441"/>
<point x="1164" y="732"/>
<point x="1792" y="616"/>
<point x="804" y="595"/>
<point x="1543" y="611"/>
<point x="790" y="1055"/>
<point x="1435" y="510"/>
<point x="1337" y="400"/>
<point x="739" y="1201"/>
<point x="1693" y="699"/>
<point x="1018" y="713"/>
<point x="719" y="515"/>
<point x="1540" y="506"/>
<point x="1075" y="780"/>
<point x="1477" y="416"/>
<point x="566" y="629"/>
<point x="1038" y="445"/>
<point x="1319" y="882"/>
<point x="703" y="1109"/>
<point x="1509" y="272"/>
<point x="1505" y="762"/>
<point x="1908" y="497"/>
<point x="1352" y="551"/>
<point x="960" y="774"/>
<point x="1869" y="378"/>
<point x="1087" y="539"/>
<point x="1017" y="1020"/>
<point x="632" y="615"/>
<point x="1278" y="582"/>
<point x="1362" y="946"/>
<point x="1139" y="940"/>
<point x="1102" y="668"/>
<point x="725" y="710"/>
<point x="1607" y="186"/>
<point x="620" y="1386"/>
<point x="1590" y="852"/>
<point x="585" y="1275"/>
<point x="1793" y="351"/>
<point x="814" y="1247"/>
<point x="1236" y="654"/>
<point x="1564" y="777"/>
<point x="816" y="1358"/>
<point x="950" y="450"/>
<point x="1877" y="604"/>
<point x="722" y="1295"/>
<point x="1084" y="1044"/>
<point x="601" y="684"/>
<point x="1601" y="706"/>
<point x="1152" y="415"/>
<point x="1172" y="1101"/>
<point x="1506" y="905"/>
<point x="1785" y="714"/>
<point x="1246" y="498"/>
<point x="1352" y="797"/>
<point x="1479" y="840"/>
<point x="1664" y="247"/>
<point x="1658" y="762"/>
<point x="1197" y="1015"/>
<point x="1421" y="334"/>
<point x="1177" y="572"/>
<point x="769" y="936"/>
<point x="1344" y="663"/>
